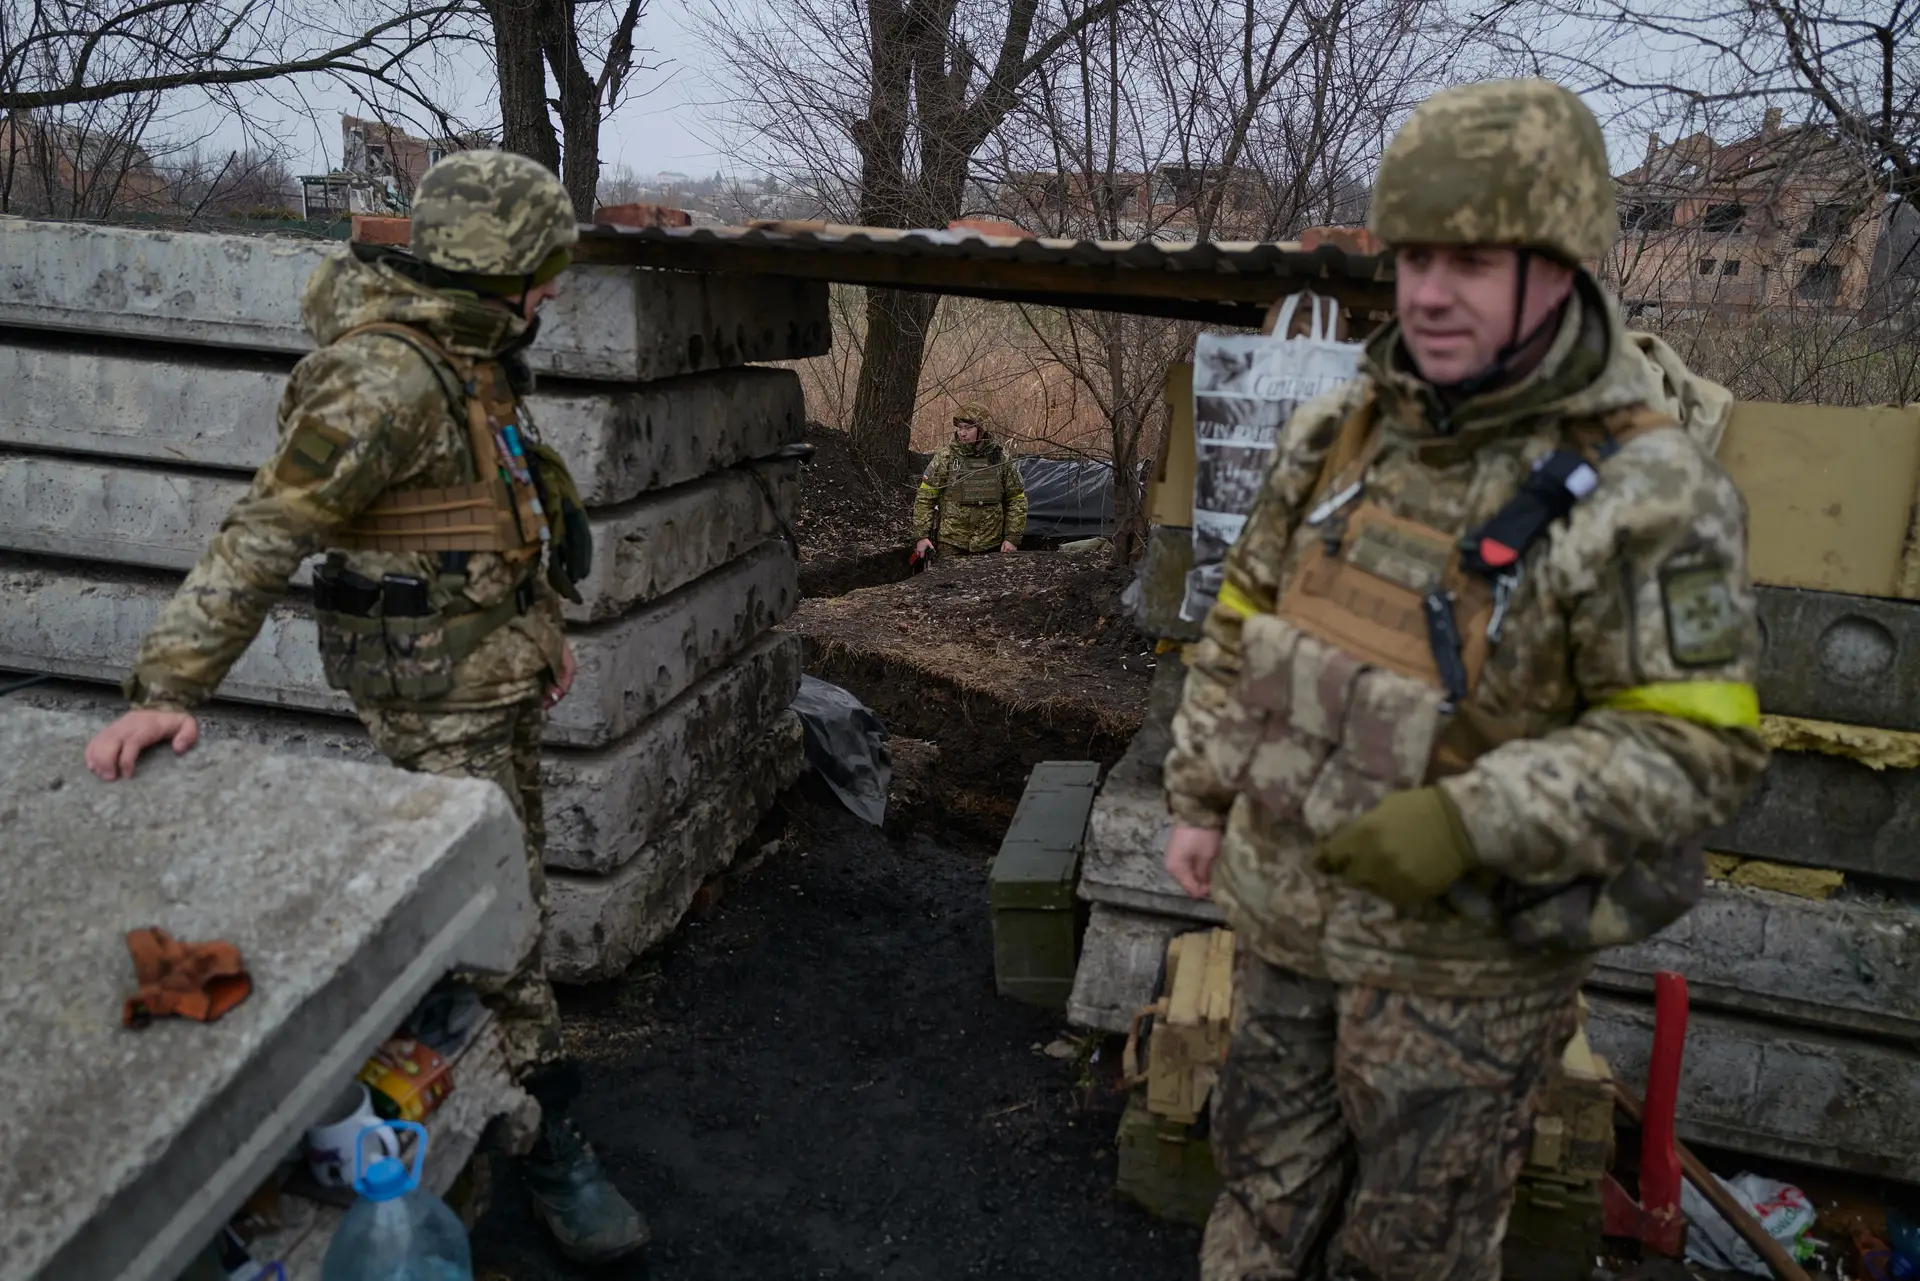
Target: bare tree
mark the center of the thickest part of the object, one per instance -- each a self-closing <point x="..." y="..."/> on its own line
<point x="565" y="38"/>
<point x="1761" y="229"/>
<point x="58" y="53"/>
<point x="885" y="104"/>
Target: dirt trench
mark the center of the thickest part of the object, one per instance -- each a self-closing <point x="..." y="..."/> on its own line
<point x="817" y="1080"/>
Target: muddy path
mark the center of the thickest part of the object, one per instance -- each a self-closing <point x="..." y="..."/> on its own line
<point x="816" y="1079"/>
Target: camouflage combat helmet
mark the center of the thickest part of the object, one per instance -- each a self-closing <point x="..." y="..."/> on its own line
<point x="973" y="412"/>
<point x="497" y="220"/>
<point x="1507" y="162"/>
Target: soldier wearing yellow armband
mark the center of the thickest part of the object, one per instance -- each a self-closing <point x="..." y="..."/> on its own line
<point x="408" y="456"/>
<point x="971" y="498"/>
<point x="1479" y="675"/>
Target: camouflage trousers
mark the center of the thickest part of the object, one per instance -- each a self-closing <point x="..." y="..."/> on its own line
<point x="1370" y="1134"/>
<point x="501" y="744"/>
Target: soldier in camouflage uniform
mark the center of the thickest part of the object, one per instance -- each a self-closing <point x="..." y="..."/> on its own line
<point x="971" y="499"/>
<point x="1480" y="670"/>
<point x="406" y="454"/>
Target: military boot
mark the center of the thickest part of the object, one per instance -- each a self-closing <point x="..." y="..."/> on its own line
<point x="572" y="1195"/>
<point x="589" y="1219"/>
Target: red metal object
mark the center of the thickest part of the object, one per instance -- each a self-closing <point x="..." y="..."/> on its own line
<point x="1654" y="1219"/>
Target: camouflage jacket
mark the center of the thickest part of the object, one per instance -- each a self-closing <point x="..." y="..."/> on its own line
<point x="1612" y="764"/>
<point x="358" y="418"/>
<point x="971" y="497"/>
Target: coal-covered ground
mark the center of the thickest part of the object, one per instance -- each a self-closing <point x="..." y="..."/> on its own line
<point x="815" y="1079"/>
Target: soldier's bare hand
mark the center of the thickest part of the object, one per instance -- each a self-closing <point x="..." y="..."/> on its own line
<point x="1190" y="855"/>
<point x="1006" y="547"/>
<point x="563" y="682"/>
<point x="922" y="547"/>
<point x="115" y="749"/>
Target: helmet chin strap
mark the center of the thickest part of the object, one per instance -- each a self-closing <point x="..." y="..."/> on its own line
<point x="1474" y="384"/>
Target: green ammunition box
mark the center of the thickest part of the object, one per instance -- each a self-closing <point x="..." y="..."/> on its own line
<point x="1553" y="1233"/>
<point x="1165" y="1166"/>
<point x="1036" y="918"/>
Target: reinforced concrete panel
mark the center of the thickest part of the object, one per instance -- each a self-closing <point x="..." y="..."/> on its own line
<point x="217" y="409"/>
<point x="599" y="924"/>
<point x="1847" y="966"/>
<point x="349" y="891"/>
<point x="164" y="519"/>
<point x="1786" y="1093"/>
<point x="208" y="289"/>
<point x="87" y="622"/>
<point x="1828" y="811"/>
<point x="1833" y="657"/>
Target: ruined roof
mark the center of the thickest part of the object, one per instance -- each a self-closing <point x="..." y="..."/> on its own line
<point x="1221" y="282"/>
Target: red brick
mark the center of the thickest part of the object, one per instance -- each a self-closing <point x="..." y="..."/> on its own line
<point x="641" y="216"/>
<point x="371" y="229"/>
<point x="990" y="227"/>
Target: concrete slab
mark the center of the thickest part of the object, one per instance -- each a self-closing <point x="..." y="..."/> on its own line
<point x="1777" y="1092"/>
<point x="348" y="891"/>
<point x="604" y="806"/>
<point x="1121" y="957"/>
<point x="599" y="924"/>
<point x="1828" y="811"/>
<point x="208" y="289"/>
<point x="1831" y="657"/>
<point x="1847" y="967"/>
<point x="86" y="622"/>
<point x="163" y="519"/>
<point x="216" y="409"/>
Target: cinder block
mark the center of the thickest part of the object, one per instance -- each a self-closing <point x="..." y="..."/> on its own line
<point x="87" y="623"/>
<point x="604" y="806"/>
<point x="610" y="323"/>
<point x="1831" y="657"/>
<point x="164" y="519"/>
<point x="348" y="891"/>
<point x="1784" y="1093"/>
<point x="218" y="410"/>
<point x="1828" y="811"/>
<point x="599" y="924"/>
<point x="1845" y="966"/>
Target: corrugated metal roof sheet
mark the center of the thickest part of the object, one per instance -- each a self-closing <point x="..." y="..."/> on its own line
<point x="1162" y="278"/>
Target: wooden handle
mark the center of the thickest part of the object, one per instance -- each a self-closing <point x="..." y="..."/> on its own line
<point x="1775" y="1255"/>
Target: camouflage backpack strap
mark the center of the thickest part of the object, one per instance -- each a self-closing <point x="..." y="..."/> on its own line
<point x="1600" y="437"/>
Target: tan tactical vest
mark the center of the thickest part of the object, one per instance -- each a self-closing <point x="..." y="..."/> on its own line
<point x="976" y="481"/>
<point x="389" y="640"/>
<point x="1342" y="673"/>
<point x="498" y="511"/>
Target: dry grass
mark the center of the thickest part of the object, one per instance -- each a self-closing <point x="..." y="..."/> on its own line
<point x="981" y="352"/>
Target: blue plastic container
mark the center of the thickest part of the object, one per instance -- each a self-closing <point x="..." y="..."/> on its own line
<point x="396" y="1231"/>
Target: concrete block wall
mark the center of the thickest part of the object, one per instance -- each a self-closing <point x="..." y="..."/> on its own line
<point x="1802" y="1004"/>
<point x="143" y="369"/>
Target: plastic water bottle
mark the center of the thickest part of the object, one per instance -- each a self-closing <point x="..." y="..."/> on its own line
<point x="396" y="1231"/>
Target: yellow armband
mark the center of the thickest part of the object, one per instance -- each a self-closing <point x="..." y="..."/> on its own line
<point x="1721" y="704"/>
<point x="1239" y="602"/>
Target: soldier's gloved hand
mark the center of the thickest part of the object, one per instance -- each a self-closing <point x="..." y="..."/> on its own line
<point x="1407" y="849"/>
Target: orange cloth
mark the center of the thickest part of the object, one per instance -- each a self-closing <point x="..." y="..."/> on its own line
<point x="198" y="981"/>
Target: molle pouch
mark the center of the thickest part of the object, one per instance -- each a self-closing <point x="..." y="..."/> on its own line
<point x="1314" y="682"/>
<point x="571" y="559"/>
<point x="419" y="664"/>
<point x="1366" y="595"/>
<point x="1341" y="792"/>
<point x="346" y="612"/>
<point x="1392" y="723"/>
